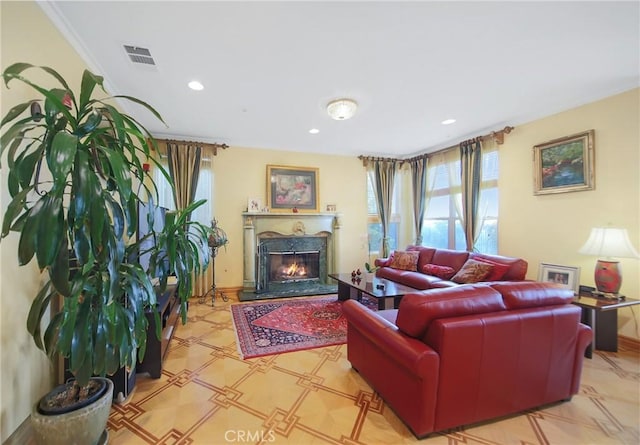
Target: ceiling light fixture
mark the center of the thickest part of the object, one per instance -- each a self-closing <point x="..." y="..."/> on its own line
<point x="196" y="86"/>
<point x="448" y="121"/>
<point x="314" y="131"/>
<point x="342" y="109"/>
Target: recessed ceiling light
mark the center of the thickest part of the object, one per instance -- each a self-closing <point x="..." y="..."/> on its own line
<point x="314" y="131"/>
<point x="195" y="85"/>
<point x="448" y="121"/>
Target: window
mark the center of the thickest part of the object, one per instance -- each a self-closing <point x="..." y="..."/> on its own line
<point x="203" y="213"/>
<point x="442" y="227"/>
<point x="375" y="226"/>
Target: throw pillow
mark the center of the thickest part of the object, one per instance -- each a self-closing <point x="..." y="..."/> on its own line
<point x="472" y="271"/>
<point x="499" y="269"/>
<point x="405" y="260"/>
<point x="444" y="272"/>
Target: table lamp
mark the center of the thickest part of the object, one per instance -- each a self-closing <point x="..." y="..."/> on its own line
<point x="608" y="242"/>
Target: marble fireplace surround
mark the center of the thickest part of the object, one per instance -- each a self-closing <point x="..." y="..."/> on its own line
<point x="259" y="226"/>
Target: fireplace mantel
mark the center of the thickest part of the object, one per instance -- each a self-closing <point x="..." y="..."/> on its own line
<point x="259" y="225"/>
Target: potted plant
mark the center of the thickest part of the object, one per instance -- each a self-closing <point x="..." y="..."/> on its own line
<point x="74" y="171"/>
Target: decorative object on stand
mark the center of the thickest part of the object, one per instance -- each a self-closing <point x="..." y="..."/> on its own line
<point x="566" y="276"/>
<point x="607" y="243"/>
<point x="564" y="165"/>
<point x="217" y="239"/>
<point x="254" y="205"/>
<point x="70" y="175"/>
<point x="342" y="109"/>
<point x="292" y="189"/>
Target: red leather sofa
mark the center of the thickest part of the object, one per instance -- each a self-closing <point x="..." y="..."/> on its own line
<point x="422" y="277"/>
<point x="457" y="356"/>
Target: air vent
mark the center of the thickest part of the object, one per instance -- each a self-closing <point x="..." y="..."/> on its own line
<point x="139" y="55"/>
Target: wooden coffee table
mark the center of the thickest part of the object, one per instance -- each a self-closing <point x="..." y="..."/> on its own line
<point x="388" y="296"/>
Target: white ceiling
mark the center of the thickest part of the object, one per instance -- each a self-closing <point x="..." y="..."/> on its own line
<point x="269" y="68"/>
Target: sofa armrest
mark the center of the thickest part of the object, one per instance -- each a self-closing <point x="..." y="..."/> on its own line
<point x="412" y="354"/>
<point x="585" y="336"/>
<point x="381" y="262"/>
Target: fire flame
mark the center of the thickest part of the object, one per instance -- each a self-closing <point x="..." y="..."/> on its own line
<point x="296" y="270"/>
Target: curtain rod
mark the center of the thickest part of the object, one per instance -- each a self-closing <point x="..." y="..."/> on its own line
<point x="498" y="136"/>
<point x="215" y="146"/>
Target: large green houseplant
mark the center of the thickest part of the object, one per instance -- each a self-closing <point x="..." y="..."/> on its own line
<point x="74" y="169"/>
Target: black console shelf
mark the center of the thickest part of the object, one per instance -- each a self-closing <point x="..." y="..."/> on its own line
<point x="168" y="307"/>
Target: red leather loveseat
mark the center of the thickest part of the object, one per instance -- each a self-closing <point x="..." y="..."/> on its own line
<point x="457" y="356"/>
<point x="427" y="267"/>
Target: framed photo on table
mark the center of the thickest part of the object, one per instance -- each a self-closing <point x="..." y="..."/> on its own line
<point x="292" y="189"/>
<point x="566" y="276"/>
<point x="564" y="165"/>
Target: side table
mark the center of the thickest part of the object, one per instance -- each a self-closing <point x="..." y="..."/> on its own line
<point x="601" y="314"/>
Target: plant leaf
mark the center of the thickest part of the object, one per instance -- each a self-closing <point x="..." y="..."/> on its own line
<point x="61" y="155"/>
<point x="120" y="172"/>
<point x="89" y="82"/>
<point x="59" y="271"/>
<point x="144" y="104"/>
<point x="50" y="230"/>
<point x="15" y="112"/>
<point x="37" y="311"/>
<point x="27" y="243"/>
<point x="14" y="208"/>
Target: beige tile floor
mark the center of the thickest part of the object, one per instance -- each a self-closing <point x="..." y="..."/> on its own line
<point x="208" y="395"/>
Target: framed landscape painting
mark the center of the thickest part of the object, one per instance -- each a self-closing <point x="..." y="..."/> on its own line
<point x="292" y="189"/>
<point x="564" y="165"/>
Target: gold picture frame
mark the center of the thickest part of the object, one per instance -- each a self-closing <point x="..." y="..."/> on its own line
<point x="565" y="164"/>
<point x="292" y="189"/>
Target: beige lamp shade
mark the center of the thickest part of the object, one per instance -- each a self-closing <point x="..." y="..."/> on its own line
<point x="608" y="242"/>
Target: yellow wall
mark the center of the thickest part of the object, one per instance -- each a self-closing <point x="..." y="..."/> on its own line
<point x="547" y="228"/>
<point x="26" y="36"/>
<point x="240" y="173"/>
<point x="551" y="228"/>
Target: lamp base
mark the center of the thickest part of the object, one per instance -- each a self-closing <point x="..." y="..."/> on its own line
<point x="608" y="276"/>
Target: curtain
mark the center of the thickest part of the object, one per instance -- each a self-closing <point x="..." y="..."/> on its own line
<point x="383" y="176"/>
<point x="184" y="169"/>
<point x="419" y="188"/>
<point x="471" y="177"/>
<point x="184" y="162"/>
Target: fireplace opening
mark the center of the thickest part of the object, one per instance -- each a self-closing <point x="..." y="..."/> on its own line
<point x="291" y="267"/>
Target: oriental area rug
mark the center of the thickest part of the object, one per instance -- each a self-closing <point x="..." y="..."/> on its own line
<point x="275" y="327"/>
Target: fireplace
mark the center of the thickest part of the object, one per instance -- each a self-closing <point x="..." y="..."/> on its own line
<point x="289" y="254"/>
<point x="293" y="267"/>
<point x="290" y="263"/>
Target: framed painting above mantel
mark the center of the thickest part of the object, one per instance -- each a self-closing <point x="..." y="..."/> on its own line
<point x="292" y="189"/>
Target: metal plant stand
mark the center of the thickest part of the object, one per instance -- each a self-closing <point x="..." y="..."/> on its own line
<point x="213" y="290"/>
<point x="217" y="239"/>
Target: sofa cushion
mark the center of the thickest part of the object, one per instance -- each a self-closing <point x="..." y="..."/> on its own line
<point x="527" y="294"/>
<point x="472" y="271"/>
<point x="451" y="258"/>
<point x="426" y="255"/>
<point x="418" y="310"/>
<point x="405" y="260"/>
<point x="416" y="280"/>
<point x="517" y="266"/>
<point x="499" y="270"/>
<point x="444" y="272"/>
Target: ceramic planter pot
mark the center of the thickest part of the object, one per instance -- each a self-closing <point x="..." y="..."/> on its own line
<point x="86" y="425"/>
